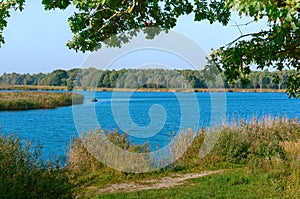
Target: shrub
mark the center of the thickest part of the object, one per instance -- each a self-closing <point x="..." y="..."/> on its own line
<point x="257" y="139"/>
<point x="253" y="142"/>
<point x="80" y="157"/>
<point x="269" y="147"/>
<point x="23" y="174"/>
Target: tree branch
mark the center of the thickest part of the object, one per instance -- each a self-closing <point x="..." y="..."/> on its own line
<point x="240" y="37"/>
<point x="117" y="13"/>
<point x="236" y="25"/>
<point x="244" y="24"/>
<point x="246" y="35"/>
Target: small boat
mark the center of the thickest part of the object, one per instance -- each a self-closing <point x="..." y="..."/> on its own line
<point x="94" y="100"/>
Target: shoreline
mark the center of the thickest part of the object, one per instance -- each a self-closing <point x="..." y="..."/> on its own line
<point x="200" y="90"/>
<point x="204" y="90"/>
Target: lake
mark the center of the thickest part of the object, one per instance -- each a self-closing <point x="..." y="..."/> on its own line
<point x="149" y="117"/>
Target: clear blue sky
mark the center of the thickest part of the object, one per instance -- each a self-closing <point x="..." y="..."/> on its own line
<point x="36" y="39"/>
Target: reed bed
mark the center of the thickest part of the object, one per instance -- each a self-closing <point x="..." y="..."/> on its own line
<point x="247" y="143"/>
<point x="37" y="100"/>
<point x="238" y="143"/>
<point x="31" y="87"/>
<point x="268" y="148"/>
<point x="23" y="174"/>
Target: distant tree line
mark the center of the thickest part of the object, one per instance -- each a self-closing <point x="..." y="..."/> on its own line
<point x="144" y="78"/>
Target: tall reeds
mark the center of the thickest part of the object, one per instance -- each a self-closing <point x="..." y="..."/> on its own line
<point x="23" y="174"/>
<point x="37" y="100"/>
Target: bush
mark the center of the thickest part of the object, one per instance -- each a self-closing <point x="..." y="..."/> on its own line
<point x="79" y="156"/>
<point x="24" y="174"/>
<point x="257" y="140"/>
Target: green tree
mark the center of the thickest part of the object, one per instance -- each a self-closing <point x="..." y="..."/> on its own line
<point x="57" y="78"/>
<point x="28" y="79"/>
<point x="5" y="8"/>
<point x="12" y="79"/>
<point x="113" y="77"/>
<point x="105" y="79"/>
<point x="278" y="46"/>
<point x="38" y="79"/>
<point x="72" y="75"/>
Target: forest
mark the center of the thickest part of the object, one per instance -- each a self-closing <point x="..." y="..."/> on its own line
<point x="145" y="78"/>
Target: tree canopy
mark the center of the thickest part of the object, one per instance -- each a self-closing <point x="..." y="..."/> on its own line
<point x="91" y="78"/>
<point x="278" y="46"/>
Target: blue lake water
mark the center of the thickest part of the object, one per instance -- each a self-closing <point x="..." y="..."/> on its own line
<point x="150" y="116"/>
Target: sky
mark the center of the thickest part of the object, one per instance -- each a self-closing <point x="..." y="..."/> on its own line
<point x="36" y="39"/>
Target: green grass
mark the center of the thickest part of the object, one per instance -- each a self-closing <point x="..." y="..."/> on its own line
<point x="23" y="174"/>
<point x="37" y="100"/>
<point x="231" y="184"/>
<point x="260" y="159"/>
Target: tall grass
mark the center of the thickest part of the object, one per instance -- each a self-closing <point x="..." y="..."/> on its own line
<point x="267" y="147"/>
<point x="31" y="87"/>
<point x="264" y="147"/>
<point x="258" y="139"/>
<point x="242" y="142"/>
<point x="239" y="143"/>
<point x="37" y="100"/>
<point x="86" y="150"/>
<point x="24" y="175"/>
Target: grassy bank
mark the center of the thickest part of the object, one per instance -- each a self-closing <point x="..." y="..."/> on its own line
<point x="37" y="100"/>
<point x="259" y="155"/>
<point x="256" y="159"/>
<point x="31" y="87"/>
<point x="23" y="174"/>
<point x="236" y="183"/>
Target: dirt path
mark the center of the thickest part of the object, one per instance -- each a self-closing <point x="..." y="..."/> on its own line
<point x="165" y="182"/>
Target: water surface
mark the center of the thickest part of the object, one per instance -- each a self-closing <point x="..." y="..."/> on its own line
<point x="54" y="128"/>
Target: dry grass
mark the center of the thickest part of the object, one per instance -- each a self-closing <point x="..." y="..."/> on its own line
<point x="238" y="143"/>
<point x="31" y="87"/>
<point x="269" y="146"/>
<point x="37" y="100"/>
<point x="292" y="149"/>
<point x="110" y="147"/>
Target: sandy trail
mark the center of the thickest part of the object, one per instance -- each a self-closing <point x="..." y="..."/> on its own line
<point x="165" y="182"/>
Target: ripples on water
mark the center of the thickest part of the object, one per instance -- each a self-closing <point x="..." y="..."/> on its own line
<point x="54" y="128"/>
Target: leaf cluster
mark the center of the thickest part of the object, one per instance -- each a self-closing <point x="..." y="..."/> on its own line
<point x="5" y="7"/>
<point x="276" y="47"/>
<point x="97" y="22"/>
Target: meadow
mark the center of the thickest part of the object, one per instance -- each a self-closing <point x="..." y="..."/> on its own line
<point x="255" y="159"/>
